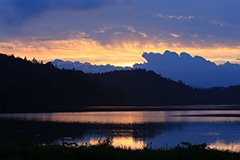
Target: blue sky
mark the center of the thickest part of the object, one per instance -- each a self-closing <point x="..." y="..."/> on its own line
<point x="119" y="31"/>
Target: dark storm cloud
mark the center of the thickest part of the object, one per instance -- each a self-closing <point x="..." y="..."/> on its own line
<point x="13" y="12"/>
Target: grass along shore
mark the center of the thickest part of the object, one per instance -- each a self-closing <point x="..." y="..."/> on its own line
<point x="104" y="150"/>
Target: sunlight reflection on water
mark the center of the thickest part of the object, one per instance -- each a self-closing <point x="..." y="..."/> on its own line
<point x="123" y="142"/>
<point x="130" y="117"/>
<point x="221" y="145"/>
<point x="218" y="128"/>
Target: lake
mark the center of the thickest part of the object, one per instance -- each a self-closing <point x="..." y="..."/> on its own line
<point x="219" y="127"/>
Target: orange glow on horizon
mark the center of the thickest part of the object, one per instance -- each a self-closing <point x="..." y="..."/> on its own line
<point x="118" y="54"/>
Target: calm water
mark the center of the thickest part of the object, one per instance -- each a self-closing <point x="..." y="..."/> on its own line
<point x="218" y="128"/>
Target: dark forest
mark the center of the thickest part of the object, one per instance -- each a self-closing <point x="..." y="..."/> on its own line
<point x="30" y="86"/>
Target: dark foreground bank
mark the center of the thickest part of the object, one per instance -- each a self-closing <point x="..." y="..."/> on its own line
<point x="105" y="151"/>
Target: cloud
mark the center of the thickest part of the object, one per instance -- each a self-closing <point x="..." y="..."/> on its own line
<point x="84" y="49"/>
<point x="100" y="31"/>
<point x="7" y="47"/>
<point x="117" y="33"/>
<point x="174" y="35"/>
<point x="175" y="17"/>
<point x="16" y="11"/>
<point x="195" y="71"/>
<point x="60" y="18"/>
<point x="131" y="29"/>
<point x="86" y="67"/>
<point x="143" y="34"/>
<point x="218" y="23"/>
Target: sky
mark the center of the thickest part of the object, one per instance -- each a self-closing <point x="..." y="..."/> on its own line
<point x="118" y="32"/>
<point x="194" y="71"/>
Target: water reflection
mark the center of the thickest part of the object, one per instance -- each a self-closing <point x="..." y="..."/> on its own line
<point x="132" y="117"/>
<point x="130" y="129"/>
<point x="123" y="142"/>
<point x="46" y="132"/>
<point x="222" y="145"/>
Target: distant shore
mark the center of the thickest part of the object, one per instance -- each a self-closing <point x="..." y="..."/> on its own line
<point x="123" y="108"/>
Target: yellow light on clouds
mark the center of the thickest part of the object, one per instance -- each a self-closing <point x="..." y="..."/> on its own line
<point x="124" y="53"/>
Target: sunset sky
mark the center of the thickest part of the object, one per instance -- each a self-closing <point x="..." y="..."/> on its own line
<point x="119" y="31"/>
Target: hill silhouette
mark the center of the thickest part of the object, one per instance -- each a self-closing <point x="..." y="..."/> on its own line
<point x="30" y="86"/>
<point x="194" y="71"/>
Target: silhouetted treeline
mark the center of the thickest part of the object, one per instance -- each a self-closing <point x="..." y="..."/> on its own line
<point x="33" y="86"/>
<point x="25" y="85"/>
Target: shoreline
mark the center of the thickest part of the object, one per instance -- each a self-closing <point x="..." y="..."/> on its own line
<point x="104" y="150"/>
<point x="124" y="109"/>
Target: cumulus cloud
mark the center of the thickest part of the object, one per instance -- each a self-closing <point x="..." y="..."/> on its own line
<point x="13" y="12"/>
<point x="195" y="71"/>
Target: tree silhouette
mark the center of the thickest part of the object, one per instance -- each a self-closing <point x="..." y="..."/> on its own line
<point x="43" y="88"/>
<point x="34" y="61"/>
